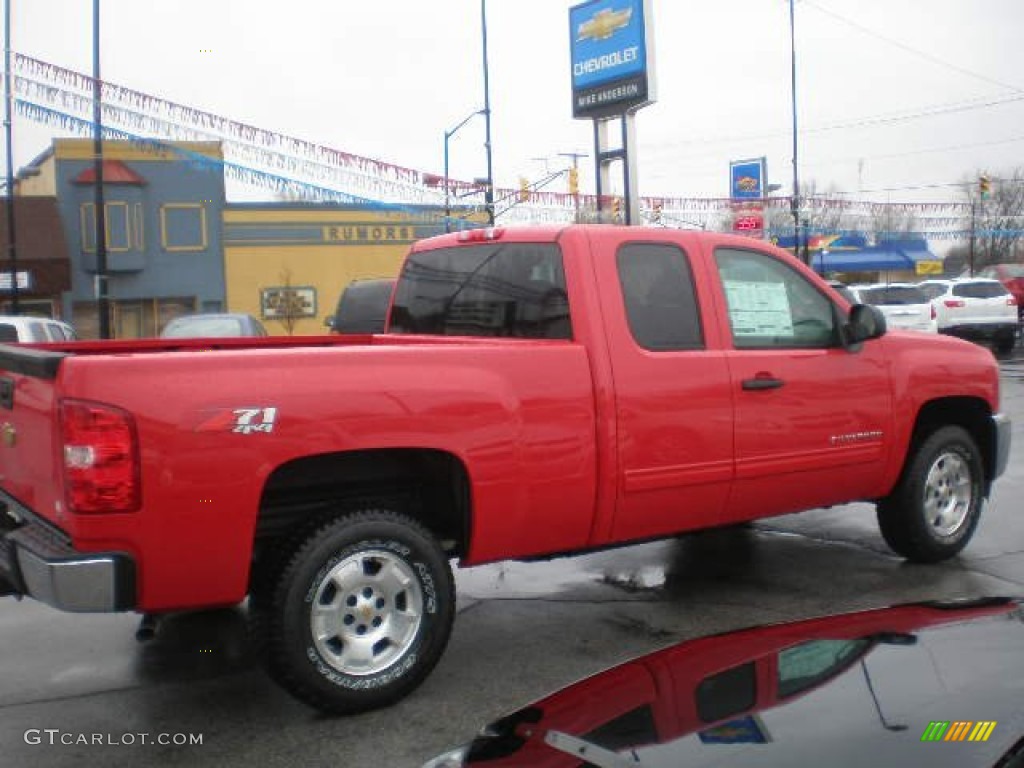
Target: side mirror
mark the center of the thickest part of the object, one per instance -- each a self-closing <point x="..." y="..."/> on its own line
<point x="866" y="322"/>
<point x="329" y="321"/>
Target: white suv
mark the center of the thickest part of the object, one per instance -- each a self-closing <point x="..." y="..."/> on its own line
<point x="34" y="329"/>
<point x="975" y="308"/>
<point x="906" y="307"/>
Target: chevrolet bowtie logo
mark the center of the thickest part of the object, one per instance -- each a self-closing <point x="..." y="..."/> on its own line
<point x="603" y="24"/>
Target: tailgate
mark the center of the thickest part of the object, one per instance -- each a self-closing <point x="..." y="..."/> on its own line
<point x="28" y="455"/>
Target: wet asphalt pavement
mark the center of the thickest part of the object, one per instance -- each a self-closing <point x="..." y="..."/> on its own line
<point x="522" y="631"/>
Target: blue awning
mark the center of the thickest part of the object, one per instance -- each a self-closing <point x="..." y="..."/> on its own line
<point x="865" y="260"/>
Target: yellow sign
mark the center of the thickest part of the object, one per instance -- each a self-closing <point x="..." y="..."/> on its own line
<point x="931" y="267"/>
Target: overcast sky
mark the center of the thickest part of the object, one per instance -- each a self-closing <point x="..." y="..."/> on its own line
<point x="897" y="99"/>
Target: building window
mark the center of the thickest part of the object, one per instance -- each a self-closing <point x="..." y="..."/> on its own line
<point x="117" y="225"/>
<point x="138" y="230"/>
<point x="183" y="227"/>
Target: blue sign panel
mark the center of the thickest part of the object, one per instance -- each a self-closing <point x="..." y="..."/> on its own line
<point x="746" y="179"/>
<point x="609" y="54"/>
<point x="607" y="41"/>
<point x="742" y="730"/>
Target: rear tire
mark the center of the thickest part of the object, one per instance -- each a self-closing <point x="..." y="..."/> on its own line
<point x="933" y="511"/>
<point x="359" y="614"/>
<point x="1004" y="343"/>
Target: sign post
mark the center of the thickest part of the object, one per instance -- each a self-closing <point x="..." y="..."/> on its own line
<point x="611" y="51"/>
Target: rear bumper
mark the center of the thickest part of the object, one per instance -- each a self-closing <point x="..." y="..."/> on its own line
<point x="981" y="330"/>
<point x="38" y="560"/>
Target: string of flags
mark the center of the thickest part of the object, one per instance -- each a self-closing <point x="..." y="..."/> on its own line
<point x="301" y="169"/>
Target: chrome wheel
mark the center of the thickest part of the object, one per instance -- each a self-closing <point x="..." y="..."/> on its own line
<point x="366" y="612"/>
<point x="948" y="494"/>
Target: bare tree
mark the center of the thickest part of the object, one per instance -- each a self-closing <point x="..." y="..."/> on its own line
<point x="891" y="223"/>
<point x="823" y="212"/>
<point x="998" y="220"/>
<point x="284" y="303"/>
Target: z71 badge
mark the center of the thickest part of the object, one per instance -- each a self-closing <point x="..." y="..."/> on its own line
<point x="241" y="421"/>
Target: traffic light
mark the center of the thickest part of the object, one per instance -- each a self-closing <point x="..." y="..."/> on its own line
<point x="984" y="186"/>
<point x="524" y="189"/>
<point x="574" y="181"/>
<point x="616" y="208"/>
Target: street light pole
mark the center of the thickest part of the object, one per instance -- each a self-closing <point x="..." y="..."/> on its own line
<point x="8" y="99"/>
<point x="447" y="196"/>
<point x="489" y="192"/>
<point x="102" y="297"/>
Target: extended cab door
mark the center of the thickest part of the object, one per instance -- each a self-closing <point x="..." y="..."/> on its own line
<point x="673" y="412"/>
<point x="813" y="419"/>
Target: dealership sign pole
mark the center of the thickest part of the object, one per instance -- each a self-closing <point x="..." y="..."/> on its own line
<point x="611" y="49"/>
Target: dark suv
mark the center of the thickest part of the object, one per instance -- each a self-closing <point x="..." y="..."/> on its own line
<point x="362" y="307"/>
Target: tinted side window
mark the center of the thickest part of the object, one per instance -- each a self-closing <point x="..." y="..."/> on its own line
<point x="727" y="693"/>
<point x="497" y="289"/>
<point x="772" y="305"/>
<point x="661" y="303"/>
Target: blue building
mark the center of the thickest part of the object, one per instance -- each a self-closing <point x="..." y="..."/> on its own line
<point x="163" y="208"/>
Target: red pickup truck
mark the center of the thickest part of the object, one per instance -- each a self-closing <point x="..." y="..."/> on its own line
<point x="540" y="391"/>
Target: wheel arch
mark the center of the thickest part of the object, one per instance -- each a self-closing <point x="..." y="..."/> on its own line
<point x="429" y="485"/>
<point x="972" y="414"/>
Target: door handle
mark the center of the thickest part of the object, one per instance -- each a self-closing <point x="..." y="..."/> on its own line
<point x="762" y="382"/>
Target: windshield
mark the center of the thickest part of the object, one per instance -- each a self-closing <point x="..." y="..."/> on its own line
<point x="499" y="289"/>
<point x="893" y="295"/>
<point x="931" y="290"/>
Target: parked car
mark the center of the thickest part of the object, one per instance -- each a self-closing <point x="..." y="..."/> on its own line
<point x="362" y="307"/>
<point x="975" y="308"/>
<point x="34" y="329"/>
<point x="1012" y="277"/>
<point x="843" y="290"/>
<point x="213" y="325"/>
<point x="906" y="307"/>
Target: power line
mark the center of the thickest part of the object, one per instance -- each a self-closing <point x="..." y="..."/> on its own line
<point x="910" y="49"/>
<point x="881" y="119"/>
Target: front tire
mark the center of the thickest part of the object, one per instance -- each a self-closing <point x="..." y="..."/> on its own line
<point x="360" y="613"/>
<point x="933" y="511"/>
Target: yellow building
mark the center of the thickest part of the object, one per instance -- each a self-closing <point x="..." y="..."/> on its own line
<point x="309" y="253"/>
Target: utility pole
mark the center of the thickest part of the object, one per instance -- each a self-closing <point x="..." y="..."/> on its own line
<point x="795" y="204"/>
<point x="970" y="247"/>
<point x="12" y="241"/>
<point x="489" y="192"/>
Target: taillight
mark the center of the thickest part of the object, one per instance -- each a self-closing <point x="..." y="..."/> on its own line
<point x="932" y="306"/>
<point x="480" y="235"/>
<point x="1011" y="302"/>
<point x="955" y="303"/>
<point x="101" y="458"/>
